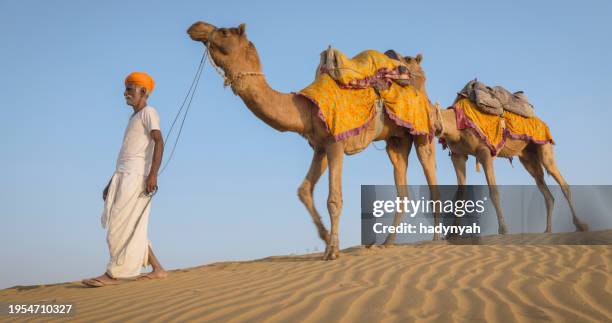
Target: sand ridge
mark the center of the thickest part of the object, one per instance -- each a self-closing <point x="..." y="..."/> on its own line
<point x="432" y="281"/>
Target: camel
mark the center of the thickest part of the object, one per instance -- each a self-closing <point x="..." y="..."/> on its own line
<point x="232" y="52"/>
<point x="534" y="157"/>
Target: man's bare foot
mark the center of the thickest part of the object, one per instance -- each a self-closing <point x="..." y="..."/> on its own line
<point x="155" y="274"/>
<point x="100" y="281"/>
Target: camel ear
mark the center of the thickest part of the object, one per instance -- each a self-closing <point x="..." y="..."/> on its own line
<point x="419" y="58"/>
<point x="241" y="29"/>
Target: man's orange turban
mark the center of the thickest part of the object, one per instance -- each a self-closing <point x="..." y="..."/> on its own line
<point x="141" y="78"/>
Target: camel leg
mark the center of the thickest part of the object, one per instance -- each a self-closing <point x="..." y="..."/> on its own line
<point x="426" y="151"/>
<point x="533" y="166"/>
<point x="459" y="165"/>
<point x="547" y="158"/>
<point x="459" y="162"/>
<point x="317" y="167"/>
<point x="398" y="150"/>
<point x="483" y="156"/>
<point x="335" y="156"/>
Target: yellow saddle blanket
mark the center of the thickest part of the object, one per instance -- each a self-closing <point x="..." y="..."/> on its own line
<point x="359" y="71"/>
<point x="494" y="130"/>
<point x="347" y="100"/>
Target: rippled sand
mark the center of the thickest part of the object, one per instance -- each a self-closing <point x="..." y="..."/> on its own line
<point x="493" y="282"/>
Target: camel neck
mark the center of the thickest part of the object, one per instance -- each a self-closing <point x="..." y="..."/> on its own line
<point x="281" y="111"/>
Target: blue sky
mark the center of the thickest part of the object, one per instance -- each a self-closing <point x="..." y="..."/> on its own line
<point x="230" y="192"/>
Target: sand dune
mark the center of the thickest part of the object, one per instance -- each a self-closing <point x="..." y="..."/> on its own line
<point x="425" y="282"/>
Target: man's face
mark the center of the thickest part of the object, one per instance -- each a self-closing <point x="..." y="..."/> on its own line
<point x="133" y="94"/>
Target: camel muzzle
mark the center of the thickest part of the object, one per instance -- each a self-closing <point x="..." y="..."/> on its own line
<point x="200" y="31"/>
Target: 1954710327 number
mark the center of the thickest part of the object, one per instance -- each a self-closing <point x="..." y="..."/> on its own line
<point x="47" y="309"/>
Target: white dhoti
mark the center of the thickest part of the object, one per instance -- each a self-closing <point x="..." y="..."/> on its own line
<point x="126" y="215"/>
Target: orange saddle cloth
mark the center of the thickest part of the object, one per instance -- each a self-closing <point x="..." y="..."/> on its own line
<point x="494" y="130"/>
<point x="348" y="111"/>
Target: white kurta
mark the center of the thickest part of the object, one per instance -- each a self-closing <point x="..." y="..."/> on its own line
<point x="126" y="212"/>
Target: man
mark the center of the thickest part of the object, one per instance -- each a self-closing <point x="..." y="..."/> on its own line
<point x="126" y="197"/>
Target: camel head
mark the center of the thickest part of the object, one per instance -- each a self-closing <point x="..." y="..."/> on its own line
<point x="229" y="48"/>
<point x="414" y="65"/>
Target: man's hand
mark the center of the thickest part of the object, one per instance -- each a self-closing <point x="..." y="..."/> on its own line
<point x="151" y="183"/>
<point x="105" y="193"/>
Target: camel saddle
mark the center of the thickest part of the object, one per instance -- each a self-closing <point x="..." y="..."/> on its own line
<point x="369" y="68"/>
<point x="354" y="95"/>
<point x="497" y="99"/>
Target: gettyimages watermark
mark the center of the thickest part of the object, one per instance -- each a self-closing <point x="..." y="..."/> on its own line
<point x="470" y="213"/>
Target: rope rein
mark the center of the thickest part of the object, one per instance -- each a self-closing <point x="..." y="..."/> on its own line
<point x="188" y="99"/>
<point x="191" y="92"/>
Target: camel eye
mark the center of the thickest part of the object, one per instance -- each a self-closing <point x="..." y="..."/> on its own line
<point x="224" y="32"/>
